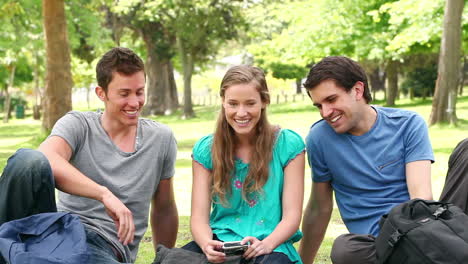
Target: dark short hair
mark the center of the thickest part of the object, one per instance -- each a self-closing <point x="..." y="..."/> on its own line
<point x="121" y="60"/>
<point x="342" y="70"/>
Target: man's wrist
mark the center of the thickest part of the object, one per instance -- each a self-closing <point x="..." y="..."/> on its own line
<point x="103" y="193"/>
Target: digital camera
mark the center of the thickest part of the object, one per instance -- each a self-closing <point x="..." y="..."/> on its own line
<point x="234" y="248"/>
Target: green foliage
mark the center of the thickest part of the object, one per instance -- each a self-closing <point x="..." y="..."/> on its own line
<point x="279" y="39"/>
<point x="149" y="19"/>
<point x="415" y="25"/>
<point x="15" y="100"/>
<point x="23" y="72"/>
<point x="287" y="71"/>
<point x="374" y="30"/>
<point x="20" y="39"/>
<point x="421" y="80"/>
<point x="83" y="18"/>
<point x="202" y="26"/>
<point x="83" y="73"/>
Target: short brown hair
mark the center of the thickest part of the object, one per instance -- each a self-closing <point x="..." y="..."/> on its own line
<point x="118" y="59"/>
<point x="342" y="70"/>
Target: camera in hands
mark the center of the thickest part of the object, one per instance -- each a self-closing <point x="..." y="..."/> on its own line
<point x="234" y="248"/>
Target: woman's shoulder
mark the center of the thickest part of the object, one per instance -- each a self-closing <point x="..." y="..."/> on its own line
<point x="288" y="136"/>
<point x="203" y="144"/>
<point x="288" y="145"/>
<point x="202" y="151"/>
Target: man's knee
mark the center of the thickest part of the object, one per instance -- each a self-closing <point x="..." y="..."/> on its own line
<point x="30" y="158"/>
<point x="340" y="252"/>
<point x="352" y="248"/>
<point x="28" y="165"/>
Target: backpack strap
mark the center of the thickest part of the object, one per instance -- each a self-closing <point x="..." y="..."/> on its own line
<point x="393" y="239"/>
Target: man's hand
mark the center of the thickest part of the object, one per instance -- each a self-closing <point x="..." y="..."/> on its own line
<point x="121" y="215"/>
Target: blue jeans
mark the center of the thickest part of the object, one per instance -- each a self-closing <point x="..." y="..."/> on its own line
<point x="100" y="250"/>
<point x="27" y="187"/>
<point x="272" y="258"/>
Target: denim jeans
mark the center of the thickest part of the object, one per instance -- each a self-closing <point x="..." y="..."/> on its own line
<point x="272" y="258"/>
<point x="100" y="250"/>
<point x="26" y="186"/>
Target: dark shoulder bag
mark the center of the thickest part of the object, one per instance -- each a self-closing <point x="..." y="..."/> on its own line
<point x="421" y="231"/>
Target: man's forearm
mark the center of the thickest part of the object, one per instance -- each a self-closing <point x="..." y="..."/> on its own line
<point x="314" y="227"/>
<point x="165" y="226"/>
<point x="70" y="180"/>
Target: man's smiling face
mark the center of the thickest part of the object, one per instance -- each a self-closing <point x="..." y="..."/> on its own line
<point x="341" y="109"/>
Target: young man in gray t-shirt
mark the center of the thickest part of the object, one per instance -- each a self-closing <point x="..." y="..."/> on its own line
<point x="109" y="166"/>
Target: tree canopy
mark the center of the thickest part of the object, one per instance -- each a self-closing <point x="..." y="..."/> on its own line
<point x="390" y="38"/>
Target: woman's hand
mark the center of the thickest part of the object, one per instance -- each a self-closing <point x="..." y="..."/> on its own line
<point x="212" y="250"/>
<point x="256" y="248"/>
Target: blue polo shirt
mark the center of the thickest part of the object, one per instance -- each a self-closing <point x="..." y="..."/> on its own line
<point x="367" y="172"/>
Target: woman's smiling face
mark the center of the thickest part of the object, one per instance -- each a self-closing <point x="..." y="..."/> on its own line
<point x="243" y="107"/>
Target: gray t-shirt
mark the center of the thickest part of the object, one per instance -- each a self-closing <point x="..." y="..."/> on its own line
<point x="132" y="177"/>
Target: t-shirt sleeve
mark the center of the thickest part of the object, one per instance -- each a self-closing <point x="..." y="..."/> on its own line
<point x="170" y="159"/>
<point x="202" y="152"/>
<point x="71" y="128"/>
<point x="417" y="143"/>
<point x="291" y="145"/>
<point x="319" y="168"/>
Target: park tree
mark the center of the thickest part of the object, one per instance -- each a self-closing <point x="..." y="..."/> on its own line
<point x="414" y="31"/>
<point x="201" y="27"/>
<point x="18" y="41"/>
<point x="9" y="63"/>
<point x="444" y="102"/>
<point x="86" y="43"/>
<point x="191" y="30"/>
<point x="316" y="29"/>
<point x="380" y="34"/>
<point x="278" y="38"/>
<point x="385" y="33"/>
<point x="58" y="78"/>
<point x="159" y="44"/>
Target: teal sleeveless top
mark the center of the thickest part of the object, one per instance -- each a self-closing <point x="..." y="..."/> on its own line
<point x="261" y="214"/>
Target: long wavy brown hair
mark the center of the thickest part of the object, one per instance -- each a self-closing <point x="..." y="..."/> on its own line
<point x="224" y="140"/>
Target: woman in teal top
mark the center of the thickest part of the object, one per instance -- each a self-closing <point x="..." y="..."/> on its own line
<point x="251" y="174"/>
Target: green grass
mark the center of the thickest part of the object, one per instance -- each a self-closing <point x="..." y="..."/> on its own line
<point x="298" y="116"/>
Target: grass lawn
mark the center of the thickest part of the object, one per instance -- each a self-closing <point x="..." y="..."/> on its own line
<point x="297" y="116"/>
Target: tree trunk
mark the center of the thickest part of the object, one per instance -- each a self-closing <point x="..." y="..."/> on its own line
<point x="162" y="90"/>
<point x="88" y="96"/>
<point x="7" y="103"/>
<point x="59" y="82"/>
<point x="463" y="75"/>
<point x="444" y="102"/>
<point x="187" y="64"/>
<point x="298" y="86"/>
<point x="173" y="97"/>
<point x="37" y="93"/>
<point x="160" y="80"/>
<point x="377" y="81"/>
<point x="392" y="86"/>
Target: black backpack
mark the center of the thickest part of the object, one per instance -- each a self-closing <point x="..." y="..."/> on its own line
<point x="421" y="231"/>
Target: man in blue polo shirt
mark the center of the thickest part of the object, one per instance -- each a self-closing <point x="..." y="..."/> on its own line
<point x="372" y="157"/>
